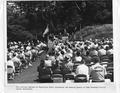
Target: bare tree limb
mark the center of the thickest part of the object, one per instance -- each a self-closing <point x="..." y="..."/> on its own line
<point x="77" y="5"/>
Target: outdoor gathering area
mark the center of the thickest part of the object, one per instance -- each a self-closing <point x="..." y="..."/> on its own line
<point x="60" y="42"/>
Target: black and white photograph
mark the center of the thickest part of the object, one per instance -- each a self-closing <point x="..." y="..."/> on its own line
<point x="59" y="41"/>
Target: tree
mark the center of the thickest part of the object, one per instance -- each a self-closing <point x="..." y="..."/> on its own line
<point x="34" y="16"/>
<point x="16" y="24"/>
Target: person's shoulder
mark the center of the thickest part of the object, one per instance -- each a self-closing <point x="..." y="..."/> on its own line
<point x="9" y="61"/>
<point x="99" y="65"/>
<point x="70" y="63"/>
<point x="102" y="67"/>
<point x="99" y="50"/>
<point x="93" y="66"/>
<point x="13" y="58"/>
<point x="86" y="66"/>
<point x="78" y="66"/>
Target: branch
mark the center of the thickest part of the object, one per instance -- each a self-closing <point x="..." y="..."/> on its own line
<point x="77" y="5"/>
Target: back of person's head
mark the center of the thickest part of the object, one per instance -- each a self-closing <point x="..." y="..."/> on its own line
<point x="93" y="48"/>
<point x="21" y="51"/>
<point x="14" y="54"/>
<point x="50" y="53"/>
<point x="107" y="48"/>
<point x="42" y="64"/>
<point x="86" y="48"/>
<point x="53" y="53"/>
<point x="78" y="53"/>
<point x="9" y="50"/>
<point x="62" y="47"/>
<point x="8" y="57"/>
<point x="101" y="47"/>
<point x="57" y="54"/>
<point x="66" y="59"/>
<point x="110" y="46"/>
<point x="96" y="60"/>
<point x="62" y="52"/>
<point x="87" y="53"/>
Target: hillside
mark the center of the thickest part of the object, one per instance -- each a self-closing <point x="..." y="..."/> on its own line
<point x="97" y="31"/>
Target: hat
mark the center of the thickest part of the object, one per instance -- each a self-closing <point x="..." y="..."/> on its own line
<point x="79" y="59"/>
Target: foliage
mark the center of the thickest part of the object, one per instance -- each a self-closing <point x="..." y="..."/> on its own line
<point x="97" y="31"/>
<point x="32" y="17"/>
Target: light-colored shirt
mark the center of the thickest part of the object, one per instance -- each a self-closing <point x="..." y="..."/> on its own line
<point x="10" y="63"/>
<point x="101" y="52"/>
<point x="69" y="65"/>
<point x="60" y="57"/>
<point x="10" y="55"/>
<point x="17" y="60"/>
<point x="97" y="72"/>
<point x="110" y="52"/>
<point x="52" y="58"/>
<point x="78" y="58"/>
<point x="28" y="47"/>
<point x="93" y="53"/>
<point x="48" y="63"/>
<point x="82" y="69"/>
<point x="28" y="54"/>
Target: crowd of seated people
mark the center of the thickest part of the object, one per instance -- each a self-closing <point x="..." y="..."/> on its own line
<point x="21" y="55"/>
<point x="78" y="61"/>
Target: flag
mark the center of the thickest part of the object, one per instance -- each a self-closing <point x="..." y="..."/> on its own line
<point x="46" y="31"/>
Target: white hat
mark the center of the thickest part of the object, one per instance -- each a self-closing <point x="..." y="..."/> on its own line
<point x="78" y="59"/>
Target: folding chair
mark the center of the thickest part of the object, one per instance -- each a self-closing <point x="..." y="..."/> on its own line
<point x="81" y="78"/>
<point x="111" y="57"/>
<point x="110" y="73"/>
<point x="110" y="76"/>
<point x="57" y="71"/>
<point x="10" y="72"/>
<point x="110" y="64"/>
<point x="57" y="78"/>
<point x="105" y="60"/>
<point x="104" y="57"/>
<point x="45" y="79"/>
<point x="109" y="69"/>
<point x="74" y="67"/>
<point x="105" y="64"/>
<point x="69" y="78"/>
<point x="107" y="80"/>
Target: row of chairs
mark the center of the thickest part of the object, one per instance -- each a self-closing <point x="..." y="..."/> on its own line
<point x="69" y="78"/>
<point x="108" y="65"/>
<point x="59" y="78"/>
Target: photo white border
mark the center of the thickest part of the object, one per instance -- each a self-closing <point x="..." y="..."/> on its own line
<point x="111" y="88"/>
